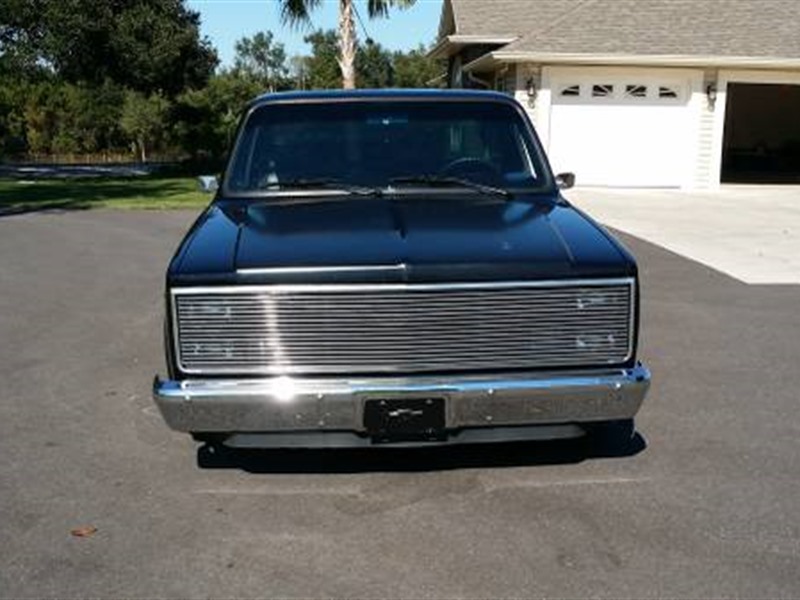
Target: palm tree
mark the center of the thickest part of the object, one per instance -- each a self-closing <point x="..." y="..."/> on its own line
<point x="298" y="12"/>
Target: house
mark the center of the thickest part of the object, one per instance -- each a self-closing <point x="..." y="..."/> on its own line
<point x="650" y="93"/>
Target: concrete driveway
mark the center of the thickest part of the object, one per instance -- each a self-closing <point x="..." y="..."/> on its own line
<point x="707" y="509"/>
<point x="750" y="232"/>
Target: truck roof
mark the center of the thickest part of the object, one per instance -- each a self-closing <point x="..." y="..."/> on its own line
<point x="381" y="94"/>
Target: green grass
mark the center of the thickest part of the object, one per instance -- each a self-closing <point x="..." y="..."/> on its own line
<point x="154" y="193"/>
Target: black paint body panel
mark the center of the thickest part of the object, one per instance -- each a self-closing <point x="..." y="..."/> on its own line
<point x="442" y="239"/>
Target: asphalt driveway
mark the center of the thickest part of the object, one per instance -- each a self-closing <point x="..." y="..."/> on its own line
<point x="708" y="508"/>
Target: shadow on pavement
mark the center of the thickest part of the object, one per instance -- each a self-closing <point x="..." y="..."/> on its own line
<point x="80" y="194"/>
<point x="60" y="189"/>
<point x="435" y="458"/>
<point x="57" y="208"/>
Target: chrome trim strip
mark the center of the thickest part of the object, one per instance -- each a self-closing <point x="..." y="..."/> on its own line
<point x="405" y="287"/>
<point x="331" y="269"/>
<point x="456" y="384"/>
<point x="632" y="320"/>
<point x="323" y="288"/>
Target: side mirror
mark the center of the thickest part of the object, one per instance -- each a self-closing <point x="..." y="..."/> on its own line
<point x="208" y="183"/>
<point x="564" y="181"/>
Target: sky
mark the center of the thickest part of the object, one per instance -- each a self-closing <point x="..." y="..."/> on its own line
<point x="225" y="21"/>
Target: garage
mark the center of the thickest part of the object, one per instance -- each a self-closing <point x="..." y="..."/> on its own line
<point x="761" y="139"/>
<point x="621" y="131"/>
<point x="673" y="94"/>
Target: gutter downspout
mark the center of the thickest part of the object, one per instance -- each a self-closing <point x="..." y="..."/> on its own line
<point x="478" y="80"/>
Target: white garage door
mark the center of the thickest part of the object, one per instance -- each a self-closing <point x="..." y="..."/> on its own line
<point x="621" y="132"/>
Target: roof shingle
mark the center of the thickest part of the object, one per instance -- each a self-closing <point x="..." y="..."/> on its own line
<point x="734" y="28"/>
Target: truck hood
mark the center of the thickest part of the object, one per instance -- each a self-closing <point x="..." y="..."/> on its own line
<point x="396" y="240"/>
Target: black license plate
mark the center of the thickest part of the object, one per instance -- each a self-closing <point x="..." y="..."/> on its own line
<point x="396" y="420"/>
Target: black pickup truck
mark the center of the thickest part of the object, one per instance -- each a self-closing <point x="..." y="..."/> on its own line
<point x="397" y="267"/>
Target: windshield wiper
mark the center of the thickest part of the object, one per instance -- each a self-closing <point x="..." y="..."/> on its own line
<point x="442" y="181"/>
<point x="321" y="183"/>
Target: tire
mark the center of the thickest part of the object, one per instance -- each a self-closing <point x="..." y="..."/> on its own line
<point x="612" y="438"/>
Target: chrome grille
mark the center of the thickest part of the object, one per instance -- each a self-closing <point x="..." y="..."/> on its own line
<point x="402" y="328"/>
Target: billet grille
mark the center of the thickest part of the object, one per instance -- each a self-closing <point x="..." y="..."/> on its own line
<point x="402" y="328"/>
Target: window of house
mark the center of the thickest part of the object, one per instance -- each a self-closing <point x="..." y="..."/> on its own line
<point x="636" y="91"/>
<point x="667" y="92"/>
<point x="602" y="90"/>
<point x="571" y="91"/>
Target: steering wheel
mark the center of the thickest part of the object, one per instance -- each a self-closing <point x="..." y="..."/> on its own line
<point x="479" y="170"/>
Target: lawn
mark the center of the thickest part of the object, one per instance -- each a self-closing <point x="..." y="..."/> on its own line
<point x="18" y="195"/>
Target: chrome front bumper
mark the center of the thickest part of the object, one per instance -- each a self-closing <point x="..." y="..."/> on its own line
<point x="284" y="411"/>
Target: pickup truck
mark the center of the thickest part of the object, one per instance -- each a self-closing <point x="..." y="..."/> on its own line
<point x="397" y="268"/>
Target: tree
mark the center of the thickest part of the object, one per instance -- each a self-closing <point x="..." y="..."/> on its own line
<point x="156" y="46"/>
<point x="143" y="119"/>
<point x="15" y="93"/>
<point x="320" y="70"/>
<point x="374" y="66"/>
<point x="20" y="33"/>
<point x="298" y="71"/>
<point x="89" y="118"/>
<point x="41" y="116"/>
<point x="298" y="12"/>
<point x="414" y="69"/>
<point x="262" y="60"/>
<point x="146" y="45"/>
<point x="205" y="119"/>
<point x="323" y="66"/>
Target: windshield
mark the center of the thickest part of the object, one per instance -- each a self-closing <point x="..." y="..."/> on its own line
<point x="384" y="144"/>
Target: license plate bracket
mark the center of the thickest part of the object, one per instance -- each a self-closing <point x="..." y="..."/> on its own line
<point x="406" y="419"/>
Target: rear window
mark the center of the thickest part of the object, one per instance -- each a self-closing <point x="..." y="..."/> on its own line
<point x="372" y="142"/>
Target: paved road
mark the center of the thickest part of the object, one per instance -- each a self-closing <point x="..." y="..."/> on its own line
<point x="708" y="508"/>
